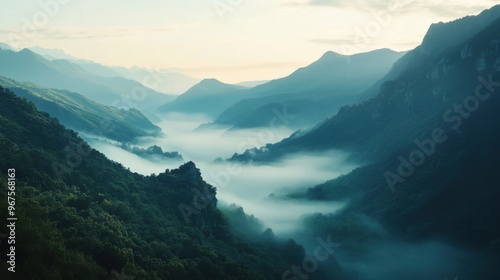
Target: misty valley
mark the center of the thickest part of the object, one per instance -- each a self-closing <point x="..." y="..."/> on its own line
<point x="378" y="165"/>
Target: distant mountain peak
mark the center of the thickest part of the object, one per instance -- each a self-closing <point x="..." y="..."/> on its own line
<point x="28" y="53"/>
<point x="4" y="46"/>
<point x="211" y="83"/>
<point x="52" y="54"/>
<point x="26" y="50"/>
<point x="332" y="56"/>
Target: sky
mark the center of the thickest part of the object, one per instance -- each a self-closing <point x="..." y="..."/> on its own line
<point x="231" y="40"/>
<point x="248" y="186"/>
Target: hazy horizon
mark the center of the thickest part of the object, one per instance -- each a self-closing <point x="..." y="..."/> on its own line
<point x="233" y="41"/>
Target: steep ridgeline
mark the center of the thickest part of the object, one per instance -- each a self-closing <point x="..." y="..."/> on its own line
<point x="440" y="184"/>
<point x="28" y="66"/>
<point x="82" y="216"/>
<point x="432" y="80"/>
<point x="431" y="137"/>
<point x="209" y="97"/>
<point x="84" y="115"/>
<point x="168" y="81"/>
<point x="311" y="93"/>
<point x="440" y="36"/>
<point x="4" y="46"/>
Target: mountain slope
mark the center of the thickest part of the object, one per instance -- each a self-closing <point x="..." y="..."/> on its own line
<point x="442" y="186"/>
<point x="4" y="46"/>
<point x="426" y="87"/>
<point x="85" y="217"/>
<point x="84" y="115"/>
<point x="439" y="37"/>
<point x="431" y="139"/>
<point x="52" y="54"/>
<point x="322" y="88"/>
<point x="167" y="81"/>
<point x="208" y="97"/>
<point x="26" y="65"/>
<point x="164" y="81"/>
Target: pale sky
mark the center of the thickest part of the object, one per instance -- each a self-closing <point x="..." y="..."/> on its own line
<point x="231" y="40"/>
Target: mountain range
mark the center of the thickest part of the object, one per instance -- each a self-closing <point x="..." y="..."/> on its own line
<point x="415" y="99"/>
<point x="86" y="217"/>
<point x="422" y="127"/>
<point x="427" y="145"/>
<point x="209" y="97"/>
<point x="84" y="115"/>
<point x="168" y="81"/>
<point x="311" y="93"/>
<point x="28" y="66"/>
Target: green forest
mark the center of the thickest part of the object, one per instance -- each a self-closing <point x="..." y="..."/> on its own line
<point x="82" y="216"/>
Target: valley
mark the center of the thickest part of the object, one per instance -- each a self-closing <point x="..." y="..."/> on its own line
<point x="368" y="166"/>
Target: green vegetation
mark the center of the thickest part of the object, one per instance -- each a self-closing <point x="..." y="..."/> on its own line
<point x="82" y="216"/>
<point x="153" y="152"/>
<point x="79" y="113"/>
<point x="428" y="81"/>
<point x="312" y="93"/>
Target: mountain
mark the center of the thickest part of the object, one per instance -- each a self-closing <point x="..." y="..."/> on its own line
<point x="425" y="83"/>
<point x="311" y="93"/>
<point x="336" y="70"/>
<point x="4" y="46"/>
<point x="209" y="97"/>
<point x="167" y="81"/>
<point x="52" y="54"/>
<point x="439" y="37"/>
<point x="98" y="69"/>
<point x="84" y="115"/>
<point x="427" y="191"/>
<point x="251" y="84"/>
<point x="86" y="217"/>
<point x="26" y="65"/>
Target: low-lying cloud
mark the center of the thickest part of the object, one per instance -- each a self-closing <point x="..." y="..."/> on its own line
<point x="250" y="186"/>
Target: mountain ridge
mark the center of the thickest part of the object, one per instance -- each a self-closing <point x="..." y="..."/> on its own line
<point x="322" y="88"/>
<point x="84" y="115"/>
<point x="337" y="132"/>
<point x="209" y="97"/>
<point x="26" y="65"/>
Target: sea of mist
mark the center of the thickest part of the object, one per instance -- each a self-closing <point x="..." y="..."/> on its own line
<point x="250" y="186"/>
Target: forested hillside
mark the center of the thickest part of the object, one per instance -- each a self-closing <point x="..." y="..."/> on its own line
<point x="81" y="216"/>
